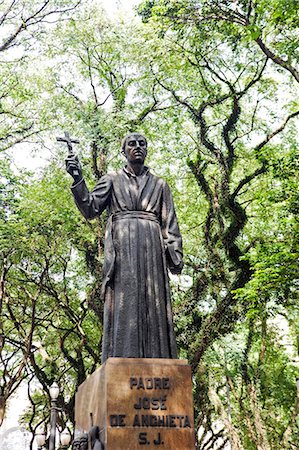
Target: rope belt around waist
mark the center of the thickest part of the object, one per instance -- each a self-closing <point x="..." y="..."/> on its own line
<point x="135" y="215"/>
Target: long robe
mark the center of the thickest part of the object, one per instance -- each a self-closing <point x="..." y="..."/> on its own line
<point x="142" y="239"/>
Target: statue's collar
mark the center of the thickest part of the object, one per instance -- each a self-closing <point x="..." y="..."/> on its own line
<point x="130" y="174"/>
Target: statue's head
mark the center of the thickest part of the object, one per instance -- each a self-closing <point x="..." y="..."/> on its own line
<point x="134" y="147"/>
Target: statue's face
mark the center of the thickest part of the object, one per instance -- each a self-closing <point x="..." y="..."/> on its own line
<point x="135" y="148"/>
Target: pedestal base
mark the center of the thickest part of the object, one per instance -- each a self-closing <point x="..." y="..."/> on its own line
<point x="139" y="403"/>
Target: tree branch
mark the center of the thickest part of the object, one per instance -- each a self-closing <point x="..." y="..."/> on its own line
<point x="5" y="14"/>
<point x="277" y="59"/>
<point x="249" y="178"/>
<point x="36" y="17"/>
<point x="91" y="77"/>
<point x="228" y="127"/>
<point x="199" y="176"/>
<point x="275" y="132"/>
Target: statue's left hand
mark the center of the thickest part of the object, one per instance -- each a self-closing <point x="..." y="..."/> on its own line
<point x="176" y="270"/>
<point x="174" y="260"/>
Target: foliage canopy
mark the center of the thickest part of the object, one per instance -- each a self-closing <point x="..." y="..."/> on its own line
<point x="212" y="84"/>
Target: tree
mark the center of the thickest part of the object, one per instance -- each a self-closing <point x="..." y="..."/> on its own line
<point x="13" y="361"/>
<point x="270" y="24"/>
<point x="206" y="96"/>
<point x="214" y="73"/>
<point x="22" y="25"/>
<point x="48" y="332"/>
<point x="20" y="21"/>
<point x="57" y="331"/>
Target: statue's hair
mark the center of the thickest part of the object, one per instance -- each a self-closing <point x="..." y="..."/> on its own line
<point x="124" y="141"/>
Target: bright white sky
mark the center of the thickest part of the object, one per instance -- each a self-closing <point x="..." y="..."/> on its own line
<point x="113" y="6"/>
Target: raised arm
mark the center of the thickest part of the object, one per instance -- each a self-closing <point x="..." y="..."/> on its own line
<point x="90" y="204"/>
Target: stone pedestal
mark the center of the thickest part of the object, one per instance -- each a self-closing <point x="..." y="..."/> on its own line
<point x="139" y="403"/>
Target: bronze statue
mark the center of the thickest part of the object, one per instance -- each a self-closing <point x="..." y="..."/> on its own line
<point x="142" y="240"/>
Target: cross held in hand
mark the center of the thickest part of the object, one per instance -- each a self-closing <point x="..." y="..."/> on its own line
<point x="69" y="141"/>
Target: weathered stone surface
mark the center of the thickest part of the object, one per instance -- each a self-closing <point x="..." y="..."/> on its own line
<point x="139" y="403"/>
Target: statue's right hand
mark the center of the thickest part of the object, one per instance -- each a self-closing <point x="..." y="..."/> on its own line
<point x="73" y="167"/>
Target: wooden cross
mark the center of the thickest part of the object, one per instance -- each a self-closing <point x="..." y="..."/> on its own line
<point x="69" y="141"/>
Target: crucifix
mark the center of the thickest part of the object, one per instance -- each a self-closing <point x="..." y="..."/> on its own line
<point x="69" y="141"/>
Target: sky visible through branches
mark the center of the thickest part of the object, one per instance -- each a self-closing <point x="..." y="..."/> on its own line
<point x="24" y="158"/>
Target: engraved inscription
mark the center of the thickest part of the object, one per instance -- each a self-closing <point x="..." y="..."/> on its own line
<point x="145" y="405"/>
<point x="143" y="440"/>
<point x="151" y="403"/>
<point x="149" y="383"/>
<point x="155" y="421"/>
<point x="117" y="420"/>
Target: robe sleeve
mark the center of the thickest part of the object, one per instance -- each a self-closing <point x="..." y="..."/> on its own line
<point x="171" y="234"/>
<point x="92" y="204"/>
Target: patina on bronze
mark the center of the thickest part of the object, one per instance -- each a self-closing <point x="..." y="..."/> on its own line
<point x="142" y="240"/>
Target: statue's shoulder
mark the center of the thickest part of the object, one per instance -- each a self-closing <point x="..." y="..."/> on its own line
<point x="115" y="175"/>
<point x="158" y="180"/>
<point x="110" y="176"/>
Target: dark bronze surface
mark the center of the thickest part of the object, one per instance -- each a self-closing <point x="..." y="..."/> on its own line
<point x="69" y="141"/>
<point x="142" y="241"/>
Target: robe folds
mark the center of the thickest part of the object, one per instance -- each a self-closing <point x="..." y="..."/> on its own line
<point x="142" y="239"/>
